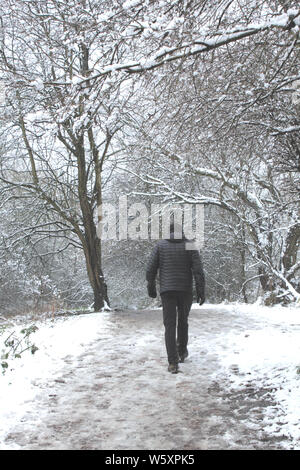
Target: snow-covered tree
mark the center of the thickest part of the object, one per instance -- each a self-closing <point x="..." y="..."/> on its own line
<point x="213" y="135"/>
<point x="72" y="72"/>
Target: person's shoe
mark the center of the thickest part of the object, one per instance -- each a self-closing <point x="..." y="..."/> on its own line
<point x="183" y="356"/>
<point x="173" y="368"/>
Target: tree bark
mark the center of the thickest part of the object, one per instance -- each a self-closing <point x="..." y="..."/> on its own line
<point x="92" y="252"/>
<point x="291" y="248"/>
<point x="92" y="244"/>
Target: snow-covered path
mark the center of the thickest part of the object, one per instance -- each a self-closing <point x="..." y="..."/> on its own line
<point x="100" y="381"/>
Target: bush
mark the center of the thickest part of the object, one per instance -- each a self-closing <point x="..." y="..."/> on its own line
<point x="16" y="344"/>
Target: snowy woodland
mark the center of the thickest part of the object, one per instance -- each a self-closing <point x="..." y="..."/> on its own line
<point x="167" y="101"/>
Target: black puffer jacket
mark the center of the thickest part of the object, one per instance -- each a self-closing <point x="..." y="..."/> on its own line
<point x="177" y="267"/>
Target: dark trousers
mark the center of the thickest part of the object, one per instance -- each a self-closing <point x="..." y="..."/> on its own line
<point x="176" y="307"/>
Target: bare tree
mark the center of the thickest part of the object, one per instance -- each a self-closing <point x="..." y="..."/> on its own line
<point x="211" y="136"/>
<point x="69" y="72"/>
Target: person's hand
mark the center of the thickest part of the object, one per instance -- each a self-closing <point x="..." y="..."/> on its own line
<point x="152" y="290"/>
<point x="200" y="299"/>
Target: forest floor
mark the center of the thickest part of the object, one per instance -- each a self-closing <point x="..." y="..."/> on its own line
<point x="100" y="381"/>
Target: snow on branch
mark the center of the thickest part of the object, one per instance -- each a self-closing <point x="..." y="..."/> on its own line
<point x="286" y="130"/>
<point x="274" y="130"/>
<point x="199" y="45"/>
<point x="289" y="286"/>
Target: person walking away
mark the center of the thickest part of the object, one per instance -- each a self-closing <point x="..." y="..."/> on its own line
<point x="177" y="267"/>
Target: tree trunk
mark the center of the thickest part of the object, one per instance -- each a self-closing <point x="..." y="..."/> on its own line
<point x="243" y="265"/>
<point x="92" y="251"/>
<point x="289" y="256"/>
<point x="273" y="285"/>
<point x="268" y="287"/>
<point x="91" y="244"/>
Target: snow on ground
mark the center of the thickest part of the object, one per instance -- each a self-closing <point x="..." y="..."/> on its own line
<point x="273" y="355"/>
<point x="100" y="381"/>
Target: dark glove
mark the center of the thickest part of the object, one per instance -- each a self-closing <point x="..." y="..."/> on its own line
<point x="200" y="299"/>
<point x="151" y="290"/>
